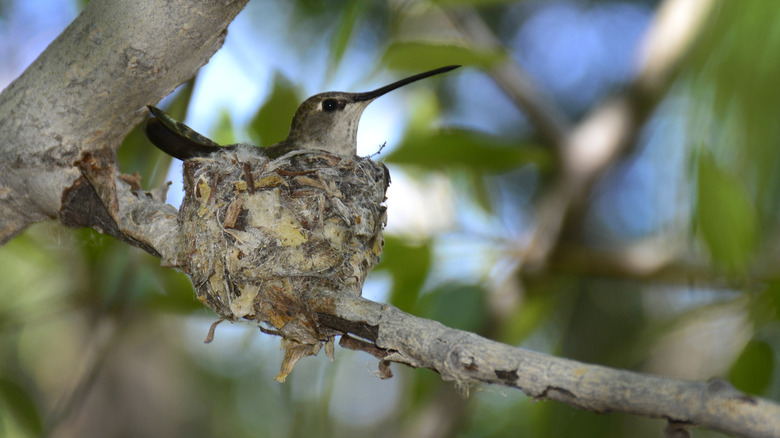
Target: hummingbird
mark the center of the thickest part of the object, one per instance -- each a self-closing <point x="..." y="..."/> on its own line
<point x="326" y="121"/>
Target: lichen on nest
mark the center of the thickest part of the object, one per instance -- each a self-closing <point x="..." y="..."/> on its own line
<point x="261" y="234"/>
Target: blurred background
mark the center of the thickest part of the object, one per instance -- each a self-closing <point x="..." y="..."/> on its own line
<point x="662" y="260"/>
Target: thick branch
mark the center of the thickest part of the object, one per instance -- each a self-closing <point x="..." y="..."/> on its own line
<point x="466" y="358"/>
<point x="114" y="204"/>
<point x="89" y="88"/>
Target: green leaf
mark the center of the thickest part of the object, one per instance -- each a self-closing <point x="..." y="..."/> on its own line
<point x="173" y="293"/>
<point x="408" y="264"/>
<point x="19" y="404"/>
<point x="477" y="3"/>
<point x="458" y="306"/>
<point x="272" y="122"/>
<point x="223" y="132"/>
<point x="345" y="30"/>
<point x="773" y="294"/>
<point x="752" y="371"/>
<point x="466" y="149"/>
<point x="419" y="56"/>
<point x="480" y="193"/>
<point x="537" y="308"/>
<point x="725" y="215"/>
<point x="732" y="80"/>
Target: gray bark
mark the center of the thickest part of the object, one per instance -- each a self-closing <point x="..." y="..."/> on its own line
<point x="466" y="358"/>
<point x="90" y="87"/>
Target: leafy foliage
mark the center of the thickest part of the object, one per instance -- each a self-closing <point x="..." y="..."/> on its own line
<point x="727" y="218"/>
<point x="423" y="55"/>
<point x="753" y="370"/>
<point x="463" y="149"/>
<point x="346" y="30"/>
<point x="408" y="264"/>
<point x="272" y="121"/>
<point x="18" y="402"/>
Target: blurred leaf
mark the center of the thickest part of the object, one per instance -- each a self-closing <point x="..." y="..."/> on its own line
<point x="735" y="78"/>
<point x="765" y="305"/>
<point x="346" y="28"/>
<point x="19" y="403"/>
<point x="425" y="386"/>
<point x="477" y="3"/>
<point x="725" y="216"/>
<point x="468" y="149"/>
<point x="223" y="132"/>
<point x="420" y="56"/>
<point x="173" y="293"/>
<point x="137" y="153"/>
<point x="458" y="306"/>
<point x="424" y="114"/>
<point x="752" y="371"/>
<point x="498" y="413"/>
<point x="272" y="122"/>
<point x="773" y="293"/>
<point x="310" y="9"/>
<point x="481" y="193"/>
<point x="538" y="305"/>
<point x="408" y="264"/>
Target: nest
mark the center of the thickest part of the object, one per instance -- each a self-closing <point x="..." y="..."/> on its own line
<point x="262" y="234"/>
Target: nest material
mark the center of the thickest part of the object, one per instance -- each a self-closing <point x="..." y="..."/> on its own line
<point x="263" y="233"/>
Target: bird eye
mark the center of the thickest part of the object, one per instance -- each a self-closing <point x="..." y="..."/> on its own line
<point x="329" y="105"/>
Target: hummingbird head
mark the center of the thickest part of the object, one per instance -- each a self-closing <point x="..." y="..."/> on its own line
<point x="329" y="121"/>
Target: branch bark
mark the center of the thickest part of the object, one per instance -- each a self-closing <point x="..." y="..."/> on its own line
<point x="90" y="87"/>
<point x="465" y="358"/>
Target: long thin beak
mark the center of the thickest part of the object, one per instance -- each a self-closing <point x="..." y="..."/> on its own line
<point x="371" y="95"/>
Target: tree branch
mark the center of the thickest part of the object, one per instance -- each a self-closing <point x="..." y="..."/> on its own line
<point x="90" y="87"/>
<point x="465" y="358"/>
